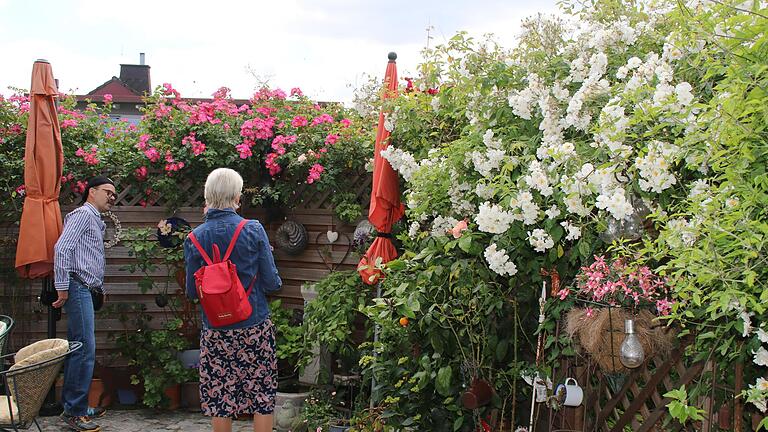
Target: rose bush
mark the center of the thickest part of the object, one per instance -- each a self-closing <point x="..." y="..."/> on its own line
<point x="280" y="143"/>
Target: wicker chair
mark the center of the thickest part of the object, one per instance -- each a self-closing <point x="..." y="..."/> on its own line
<point x="35" y="368"/>
<point x="6" y="324"/>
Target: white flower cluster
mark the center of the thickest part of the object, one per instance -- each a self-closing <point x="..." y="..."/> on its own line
<point x="615" y="203"/>
<point x="413" y="229"/>
<point x="574" y="232"/>
<point x="613" y="125"/>
<point x="484" y="191"/>
<point x="529" y="210"/>
<point x="498" y="261"/>
<point x="489" y="141"/>
<point x="681" y="232"/>
<point x="654" y="167"/>
<point x="537" y="179"/>
<point x="700" y="188"/>
<point x="401" y="161"/>
<point x="540" y="240"/>
<point x="486" y="163"/>
<point x="442" y="225"/>
<point x="491" y="218"/>
<point x="458" y="195"/>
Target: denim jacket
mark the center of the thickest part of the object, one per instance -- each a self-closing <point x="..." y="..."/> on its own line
<point x="251" y="255"/>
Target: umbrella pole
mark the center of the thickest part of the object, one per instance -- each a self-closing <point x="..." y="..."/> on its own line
<point x="375" y="339"/>
<point x="50" y="406"/>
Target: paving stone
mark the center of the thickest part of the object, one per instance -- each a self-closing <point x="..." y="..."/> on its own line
<point x="145" y="420"/>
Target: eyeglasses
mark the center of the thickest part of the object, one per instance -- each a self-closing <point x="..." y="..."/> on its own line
<point x="110" y="195"/>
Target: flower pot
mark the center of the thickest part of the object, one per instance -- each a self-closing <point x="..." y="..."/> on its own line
<point x="479" y="394"/>
<point x="190" y="396"/>
<point x="98" y="395"/>
<point x="127" y="396"/>
<point x="190" y="358"/>
<point x="288" y="403"/>
<point x="173" y="393"/>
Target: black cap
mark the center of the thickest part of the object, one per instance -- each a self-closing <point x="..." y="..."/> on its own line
<point x="93" y="182"/>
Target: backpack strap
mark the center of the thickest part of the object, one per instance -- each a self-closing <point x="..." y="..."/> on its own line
<point x="200" y="249"/>
<point x="234" y="238"/>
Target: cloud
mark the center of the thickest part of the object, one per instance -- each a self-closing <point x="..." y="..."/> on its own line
<point x="323" y="47"/>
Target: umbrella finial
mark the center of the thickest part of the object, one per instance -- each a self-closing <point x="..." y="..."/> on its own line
<point x="392" y="56"/>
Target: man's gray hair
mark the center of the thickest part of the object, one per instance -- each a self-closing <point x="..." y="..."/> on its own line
<point x="223" y="188"/>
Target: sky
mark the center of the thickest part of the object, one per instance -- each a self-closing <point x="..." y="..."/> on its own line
<point x="325" y="47"/>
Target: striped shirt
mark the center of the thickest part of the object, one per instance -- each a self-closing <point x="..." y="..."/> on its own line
<point x="80" y="249"/>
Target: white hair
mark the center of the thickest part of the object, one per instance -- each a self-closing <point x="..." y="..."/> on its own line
<point x="223" y="188"/>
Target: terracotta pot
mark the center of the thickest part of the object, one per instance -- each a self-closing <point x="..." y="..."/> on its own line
<point x="174" y="394"/>
<point x="190" y="396"/>
<point x="98" y="395"/>
<point x="479" y="394"/>
<point x="724" y="417"/>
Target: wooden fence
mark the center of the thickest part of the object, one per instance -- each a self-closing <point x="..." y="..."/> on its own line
<point x="20" y="297"/>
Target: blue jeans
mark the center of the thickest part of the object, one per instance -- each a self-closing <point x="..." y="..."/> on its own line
<point x="78" y="368"/>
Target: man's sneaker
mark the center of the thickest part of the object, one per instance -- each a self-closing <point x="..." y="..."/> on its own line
<point x="80" y="424"/>
<point x="96" y="412"/>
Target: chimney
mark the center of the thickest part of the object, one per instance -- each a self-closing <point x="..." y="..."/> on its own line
<point x="137" y="76"/>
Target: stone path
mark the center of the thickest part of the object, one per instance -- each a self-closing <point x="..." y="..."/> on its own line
<point x="145" y="420"/>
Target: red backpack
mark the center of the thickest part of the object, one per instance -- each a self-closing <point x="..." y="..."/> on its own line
<point x="220" y="291"/>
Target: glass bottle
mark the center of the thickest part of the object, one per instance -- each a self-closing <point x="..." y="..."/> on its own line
<point x="631" y="352"/>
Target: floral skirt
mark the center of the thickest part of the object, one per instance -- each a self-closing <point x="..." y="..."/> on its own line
<point x="238" y="371"/>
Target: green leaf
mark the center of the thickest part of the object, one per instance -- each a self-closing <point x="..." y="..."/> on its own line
<point x="465" y="243"/>
<point x="443" y="381"/>
<point x="457" y="423"/>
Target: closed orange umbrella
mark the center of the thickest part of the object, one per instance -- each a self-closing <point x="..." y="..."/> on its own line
<point x="385" y="208"/>
<point x="43" y="163"/>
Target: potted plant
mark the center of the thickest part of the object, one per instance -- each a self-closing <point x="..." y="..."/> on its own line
<point x="330" y="320"/>
<point x="289" y="341"/>
<point x="154" y="355"/>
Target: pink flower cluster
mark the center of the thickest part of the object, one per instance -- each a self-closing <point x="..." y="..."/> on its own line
<point x="322" y="118"/>
<point x="617" y="284"/>
<point x="198" y="147"/>
<point x="252" y="130"/>
<point x="88" y="156"/>
<point x="172" y="166"/>
<point x="314" y="173"/>
<point x="21" y="101"/>
<point x="67" y="123"/>
<point x="141" y="173"/>
<point x="168" y="90"/>
<point x="266" y="94"/>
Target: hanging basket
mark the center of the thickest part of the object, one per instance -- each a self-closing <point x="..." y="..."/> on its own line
<point x="602" y="333"/>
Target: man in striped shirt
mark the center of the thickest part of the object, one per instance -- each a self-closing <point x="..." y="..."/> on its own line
<point x="79" y="269"/>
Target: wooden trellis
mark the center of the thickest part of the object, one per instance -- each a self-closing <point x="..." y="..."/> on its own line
<point x="635" y="401"/>
<point x="306" y="196"/>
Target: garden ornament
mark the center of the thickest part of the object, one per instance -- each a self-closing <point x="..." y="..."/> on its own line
<point x="571" y="393"/>
<point x="291" y="237"/>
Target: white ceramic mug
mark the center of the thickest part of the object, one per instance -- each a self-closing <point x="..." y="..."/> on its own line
<point x="574" y="394"/>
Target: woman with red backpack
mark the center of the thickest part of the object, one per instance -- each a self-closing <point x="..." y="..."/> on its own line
<point x="238" y="367"/>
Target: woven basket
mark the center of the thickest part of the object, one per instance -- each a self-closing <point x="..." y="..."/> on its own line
<point x="601" y="334"/>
